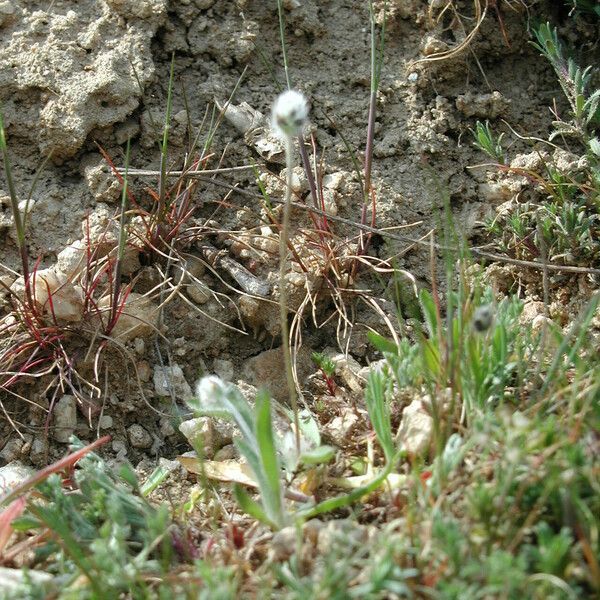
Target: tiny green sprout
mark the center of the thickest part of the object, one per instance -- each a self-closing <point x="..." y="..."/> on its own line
<point x="324" y="363"/>
<point x="327" y="367"/>
<point x="484" y="140"/>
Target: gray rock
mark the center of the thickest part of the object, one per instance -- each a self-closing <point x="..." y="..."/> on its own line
<point x="12" y="449"/>
<point x="138" y="318"/>
<point x="106" y="422"/>
<point x="143" y="370"/>
<point x="139" y="437"/>
<point x="167" y="379"/>
<point x="339" y="428"/>
<point x="228" y="452"/>
<point x="347" y="368"/>
<point x="199" y="292"/>
<point x="283" y="544"/>
<point x="71" y="259"/>
<point x="169" y="465"/>
<point x="267" y="370"/>
<point x="166" y="427"/>
<point x="224" y="369"/>
<point x="39" y="451"/>
<point x="120" y="448"/>
<point x="201" y="435"/>
<point x="65" y="418"/>
<point x="139" y="345"/>
<point x="208" y="434"/>
<point x="376" y="366"/>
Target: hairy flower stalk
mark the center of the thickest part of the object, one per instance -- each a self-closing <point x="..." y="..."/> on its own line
<point x="290" y="114"/>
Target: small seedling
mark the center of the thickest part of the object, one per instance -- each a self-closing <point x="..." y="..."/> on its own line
<point x="485" y="141"/>
<point x="327" y="368"/>
<point x="257" y="445"/>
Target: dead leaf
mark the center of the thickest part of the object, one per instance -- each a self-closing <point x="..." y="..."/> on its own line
<point x="393" y="481"/>
<point x="228" y="471"/>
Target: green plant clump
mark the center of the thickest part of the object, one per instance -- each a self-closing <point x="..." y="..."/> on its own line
<point x="563" y="227"/>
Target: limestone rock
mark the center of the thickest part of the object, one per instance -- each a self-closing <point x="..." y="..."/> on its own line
<point x="199" y="292"/>
<point x="347" y="368"/>
<point x="202" y="436"/>
<point x="137" y="319"/>
<point x="12" y="449"/>
<point x="65" y="72"/>
<point x="101" y="181"/>
<point x="267" y="370"/>
<point x="12" y="475"/>
<point x="15" y="583"/>
<point x="339" y="428"/>
<point x="283" y="544"/>
<point x="483" y="106"/>
<point x="101" y="230"/>
<point x="53" y="294"/>
<point x="416" y="428"/>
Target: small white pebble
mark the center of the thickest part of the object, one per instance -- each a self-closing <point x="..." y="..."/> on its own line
<point x="139" y="346"/>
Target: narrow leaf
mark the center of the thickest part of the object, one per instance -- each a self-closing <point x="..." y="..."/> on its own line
<point x="318" y="456"/>
<point x="57" y="467"/>
<point x="379" y="413"/>
<point x="268" y="456"/>
<point x="382" y="344"/>
<point x="250" y="506"/>
<point x="6" y="518"/>
<point x="429" y="312"/>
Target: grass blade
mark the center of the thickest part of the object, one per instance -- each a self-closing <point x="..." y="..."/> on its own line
<point x="268" y="457"/>
<point x="375" y="397"/>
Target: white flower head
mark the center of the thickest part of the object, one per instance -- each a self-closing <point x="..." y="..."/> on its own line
<point x="209" y="390"/>
<point x="290" y="114"/>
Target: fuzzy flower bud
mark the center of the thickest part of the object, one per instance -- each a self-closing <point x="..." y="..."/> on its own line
<point x="483" y="318"/>
<point x="290" y="114"/>
<point x="209" y="393"/>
